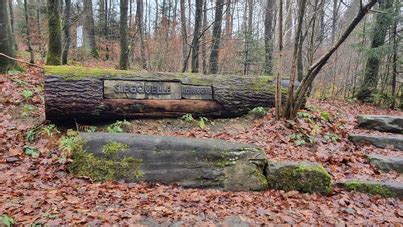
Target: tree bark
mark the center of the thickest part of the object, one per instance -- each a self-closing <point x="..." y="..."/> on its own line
<point x="278" y="98"/>
<point x="84" y="99"/>
<point x="124" y="49"/>
<point x="54" y="55"/>
<point x="140" y="31"/>
<point x="216" y="37"/>
<point x="11" y="8"/>
<point x="90" y="28"/>
<point x="6" y="39"/>
<point x="66" y="31"/>
<point x="184" y="36"/>
<point x="196" y="36"/>
<point x="268" y="37"/>
<point x="382" y="23"/>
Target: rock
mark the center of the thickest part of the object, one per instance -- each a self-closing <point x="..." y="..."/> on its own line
<point x="380" y="141"/>
<point x="237" y="221"/>
<point x="386" y="163"/>
<point x="383" y="123"/>
<point x="384" y="189"/>
<point x="301" y="176"/>
<point x="12" y="159"/>
<point x="188" y="162"/>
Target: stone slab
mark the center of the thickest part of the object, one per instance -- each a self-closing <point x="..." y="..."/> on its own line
<point x="383" y="123"/>
<point x="380" y="141"/>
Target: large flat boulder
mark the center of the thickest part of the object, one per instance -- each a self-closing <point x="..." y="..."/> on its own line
<point x="189" y="162"/>
<point x="386" y="163"/>
<point x="380" y="141"/>
<point x="383" y="123"/>
<point x="301" y="176"/>
<point x="384" y="189"/>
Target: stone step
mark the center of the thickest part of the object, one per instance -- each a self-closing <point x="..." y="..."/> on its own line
<point x="188" y="162"/>
<point x="386" y="163"/>
<point x="380" y="141"/>
<point x="301" y="176"/>
<point x="385" y="189"/>
<point x="383" y="123"/>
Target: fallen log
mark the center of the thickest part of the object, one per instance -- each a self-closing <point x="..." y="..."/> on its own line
<point x="188" y="162"/>
<point x="88" y="94"/>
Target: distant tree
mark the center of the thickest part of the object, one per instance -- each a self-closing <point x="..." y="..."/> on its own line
<point x="382" y="23"/>
<point x="28" y="33"/>
<point x="216" y="36"/>
<point x="196" y="36"/>
<point x="89" y="27"/>
<point x="185" y="57"/>
<point x="6" y="39"/>
<point x="124" y="49"/>
<point x="140" y="31"/>
<point x="66" y="31"/>
<point x="55" y="33"/>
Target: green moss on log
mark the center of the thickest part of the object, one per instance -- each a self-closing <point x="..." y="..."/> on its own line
<point x="303" y="176"/>
<point x="79" y="72"/>
<point x="368" y="187"/>
<point x="111" y="166"/>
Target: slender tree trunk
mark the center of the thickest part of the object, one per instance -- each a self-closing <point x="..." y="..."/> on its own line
<point x="184" y="36"/>
<point x="204" y="39"/>
<point x="315" y="68"/>
<point x="28" y="32"/>
<point x="268" y="37"/>
<point x="216" y="36"/>
<point x="228" y="21"/>
<point x="89" y="27"/>
<point x="124" y="49"/>
<point x="11" y="8"/>
<point x="196" y="36"/>
<point x="396" y="41"/>
<point x="140" y="29"/>
<point x="7" y="46"/>
<point x="382" y="23"/>
<point x="66" y="31"/>
<point x="54" y="55"/>
<point x="278" y="103"/>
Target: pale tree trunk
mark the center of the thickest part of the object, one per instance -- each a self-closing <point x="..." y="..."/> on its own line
<point x="196" y="36"/>
<point x="28" y="33"/>
<point x="54" y="56"/>
<point x="215" y="47"/>
<point x="89" y="27"/>
<point x="124" y="49"/>
<point x="7" y="46"/>
<point x="11" y="8"/>
<point x="228" y="20"/>
<point x="278" y="103"/>
<point x="66" y="31"/>
<point x="268" y="37"/>
<point x="382" y="23"/>
<point x="204" y="41"/>
<point x="315" y="68"/>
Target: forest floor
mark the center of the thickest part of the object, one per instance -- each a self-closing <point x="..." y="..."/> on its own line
<point x="40" y="189"/>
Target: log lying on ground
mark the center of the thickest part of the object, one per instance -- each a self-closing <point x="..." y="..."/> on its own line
<point x="383" y="123"/>
<point x="201" y="163"/>
<point x="88" y="94"/>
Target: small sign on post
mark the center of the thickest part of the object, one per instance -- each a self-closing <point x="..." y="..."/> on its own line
<point x="80" y="36"/>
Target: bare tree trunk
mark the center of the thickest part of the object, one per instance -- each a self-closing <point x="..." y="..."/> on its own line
<point x="6" y="41"/>
<point x="196" y="36"/>
<point x="11" y="8"/>
<point x="185" y="57"/>
<point x="396" y="41"/>
<point x="315" y="68"/>
<point x="66" y="31"/>
<point x="216" y="37"/>
<point x="228" y="20"/>
<point x="89" y="27"/>
<point x="204" y="41"/>
<point x="54" y="55"/>
<point x="28" y="31"/>
<point x="124" y="49"/>
<point x="268" y="37"/>
<point x="139" y="20"/>
<point x="278" y="102"/>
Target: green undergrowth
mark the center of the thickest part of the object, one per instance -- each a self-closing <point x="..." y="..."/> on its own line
<point x="113" y="164"/>
<point x="301" y="177"/>
<point x="368" y="187"/>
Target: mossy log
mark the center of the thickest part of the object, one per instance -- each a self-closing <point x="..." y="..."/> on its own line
<point x="188" y="162"/>
<point x="84" y="94"/>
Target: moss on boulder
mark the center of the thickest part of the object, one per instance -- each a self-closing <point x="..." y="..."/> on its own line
<point x="301" y="176"/>
<point x="384" y="189"/>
